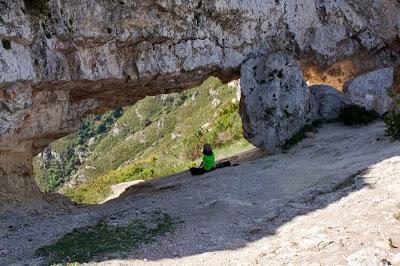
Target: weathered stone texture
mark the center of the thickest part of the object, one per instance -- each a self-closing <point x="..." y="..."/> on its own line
<point x="371" y="90"/>
<point x="31" y="120"/>
<point x="91" y="56"/>
<point x="17" y="187"/>
<point x="136" y="39"/>
<point x="327" y="102"/>
<point x="276" y="102"/>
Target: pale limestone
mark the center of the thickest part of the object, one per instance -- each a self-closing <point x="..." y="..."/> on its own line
<point x="99" y="55"/>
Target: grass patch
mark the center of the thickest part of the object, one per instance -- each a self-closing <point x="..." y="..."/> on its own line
<point x="6" y="44"/>
<point x="392" y="121"/>
<point x="300" y="135"/>
<point x="37" y="7"/>
<point x="348" y="181"/>
<point x="84" y="244"/>
<point x="356" y="115"/>
<point x="226" y="129"/>
<point x="97" y="189"/>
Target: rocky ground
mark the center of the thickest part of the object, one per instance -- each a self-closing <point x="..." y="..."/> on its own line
<point x="331" y="200"/>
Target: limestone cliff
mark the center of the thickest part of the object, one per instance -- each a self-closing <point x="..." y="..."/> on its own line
<point x="78" y="57"/>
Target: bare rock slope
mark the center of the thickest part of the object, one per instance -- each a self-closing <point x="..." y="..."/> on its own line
<point x="332" y="200"/>
<point x="79" y="57"/>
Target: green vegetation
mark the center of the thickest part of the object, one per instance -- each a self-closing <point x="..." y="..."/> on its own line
<point x="392" y="120"/>
<point x="392" y="92"/>
<point x="97" y="189"/>
<point x="6" y="44"/>
<point x="356" y="115"/>
<point x="157" y="136"/>
<point x="84" y="244"/>
<point x="348" y="181"/>
<point x="299" y="136"/>
<point x="226" y="129"/>
<point x="37" y="7"/>
<point x="54" y="172"/>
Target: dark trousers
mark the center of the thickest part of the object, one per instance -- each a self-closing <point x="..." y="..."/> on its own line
<point x="200" y="171"/>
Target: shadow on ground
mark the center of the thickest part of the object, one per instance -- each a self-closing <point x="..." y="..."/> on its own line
<point x="229" y="208"/>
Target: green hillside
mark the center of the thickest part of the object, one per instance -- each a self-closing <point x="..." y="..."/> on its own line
<point x="157" y="136"/>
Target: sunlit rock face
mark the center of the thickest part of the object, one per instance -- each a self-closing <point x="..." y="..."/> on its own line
<point x="276" y="101"/>
<point x="371" y="90"/>
<point x="83" y="57"/>
<point x="132" y="40"/>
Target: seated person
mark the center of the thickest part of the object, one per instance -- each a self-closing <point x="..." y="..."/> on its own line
<point x="208" y="161"/>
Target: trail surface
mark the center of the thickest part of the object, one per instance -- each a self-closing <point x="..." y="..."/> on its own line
<point x="118" y="189"/>
<point x="331" y="200"/>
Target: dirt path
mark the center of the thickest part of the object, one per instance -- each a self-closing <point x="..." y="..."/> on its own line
<point x="118" y="189"/>
<point x="309" y="206"/>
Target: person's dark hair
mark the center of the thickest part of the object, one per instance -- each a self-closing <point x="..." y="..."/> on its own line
<point x="207" y="150"/>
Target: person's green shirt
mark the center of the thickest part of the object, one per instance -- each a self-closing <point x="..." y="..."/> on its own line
<point x="208" y="162"/>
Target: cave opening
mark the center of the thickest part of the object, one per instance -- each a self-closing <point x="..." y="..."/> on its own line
<point x="157" y="136"/>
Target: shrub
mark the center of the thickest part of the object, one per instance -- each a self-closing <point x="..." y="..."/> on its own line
<point x="84" y="244"/>
<point x="392" y="121"/>
<point x="37" y="7"/>
<point x="6" y="44"/>
<point x="225" y="129"/>
<point x="97" y="189"/>
<point x="356" y="115"/>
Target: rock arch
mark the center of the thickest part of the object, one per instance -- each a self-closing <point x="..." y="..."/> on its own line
<point x="82" y="57"/>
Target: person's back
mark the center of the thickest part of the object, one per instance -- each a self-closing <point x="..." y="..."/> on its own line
<point x="208" y="161"/>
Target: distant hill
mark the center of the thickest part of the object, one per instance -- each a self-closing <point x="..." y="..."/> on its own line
<point x="157" y="136"/>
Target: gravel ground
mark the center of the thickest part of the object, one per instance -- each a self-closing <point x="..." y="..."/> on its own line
<point x="312" y="205"/>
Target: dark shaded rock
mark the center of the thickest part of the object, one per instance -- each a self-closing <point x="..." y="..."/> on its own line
<point x="328" y="101"/>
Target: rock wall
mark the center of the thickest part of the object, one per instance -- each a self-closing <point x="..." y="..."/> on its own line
<point x="31" y="120"/>
<point x="81" y="57"/>
<point x="277" y="103"/>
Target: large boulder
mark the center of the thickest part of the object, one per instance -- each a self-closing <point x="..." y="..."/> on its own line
<point x="276" y="102"/>
<point x="370" y="90"/>
<point x="327" y="101"/>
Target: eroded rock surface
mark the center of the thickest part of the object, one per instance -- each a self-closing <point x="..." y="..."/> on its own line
<point x="371" y="90"/>
<point x="312" y="206"/>
<point x="30" y="120"/>
<point x="97" y="55"/>
<point x="276" y="102"/>
<point x="327" y="102"/>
